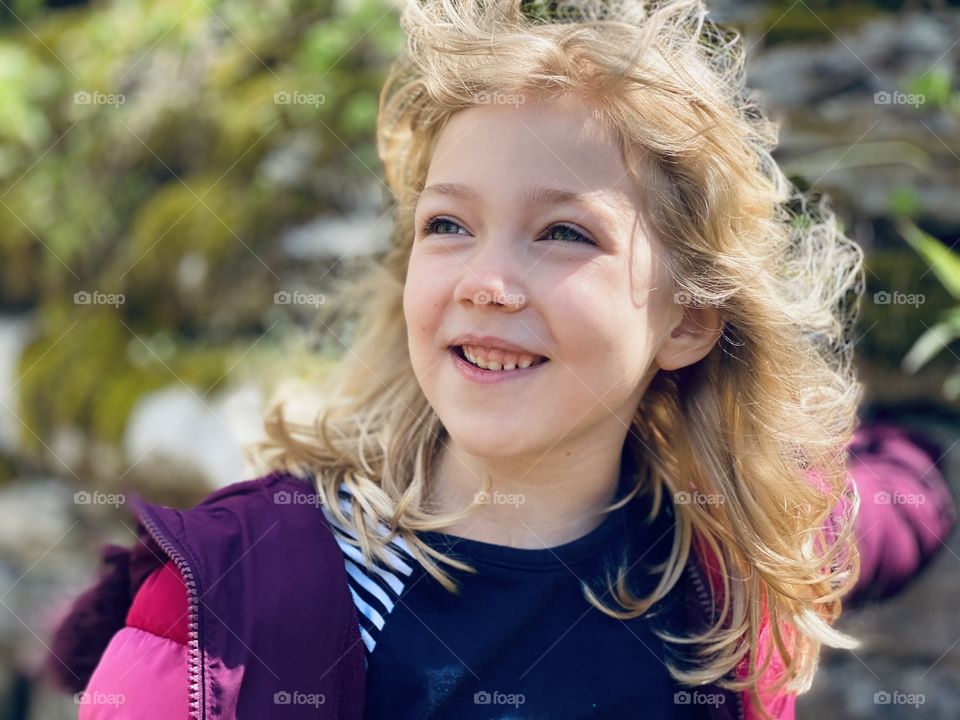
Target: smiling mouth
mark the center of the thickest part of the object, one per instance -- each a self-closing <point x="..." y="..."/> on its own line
<point x="514" y="361"/>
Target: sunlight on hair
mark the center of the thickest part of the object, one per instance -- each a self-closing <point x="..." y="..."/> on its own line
<point x="774" y="401"/>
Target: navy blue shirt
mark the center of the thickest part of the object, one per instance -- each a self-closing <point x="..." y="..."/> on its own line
<point x="520" y="640"/>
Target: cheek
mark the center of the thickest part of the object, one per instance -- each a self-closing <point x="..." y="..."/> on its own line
<point x="605" y="334"/>
<point x="422" y="305"/>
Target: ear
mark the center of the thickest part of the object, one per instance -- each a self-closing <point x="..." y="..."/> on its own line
<point x="692" y="337"/>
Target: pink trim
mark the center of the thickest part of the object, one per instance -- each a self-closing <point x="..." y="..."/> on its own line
<point x="780" y="705"/>
<point x="140" y="675"/>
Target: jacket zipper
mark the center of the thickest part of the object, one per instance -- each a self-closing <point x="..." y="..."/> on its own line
<point x="707" y="606"/>
<point x="193" y="622"/>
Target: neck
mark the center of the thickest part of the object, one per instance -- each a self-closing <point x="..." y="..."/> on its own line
<point x="533" y="502"/>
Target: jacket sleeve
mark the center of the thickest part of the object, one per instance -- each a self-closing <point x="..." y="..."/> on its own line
<point x="906" y="507"/>
<point x="143" y="673"/>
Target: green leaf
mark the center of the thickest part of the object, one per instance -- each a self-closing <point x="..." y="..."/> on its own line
<point x="951" y="386"/>
<point x="904" y="201"/>
<point x="933" y="341"/>
<point x="892" y="152"/>
<point x="934" y="85"/>
<point x="944" y="261"/>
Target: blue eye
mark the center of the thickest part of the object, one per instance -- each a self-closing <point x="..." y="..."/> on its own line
<point x="576" y="234"/>
<point x="432" y="225"/>
<point x="429" y="227"/>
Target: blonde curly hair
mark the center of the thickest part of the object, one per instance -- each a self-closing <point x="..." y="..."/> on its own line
<point x="772" y="404"/>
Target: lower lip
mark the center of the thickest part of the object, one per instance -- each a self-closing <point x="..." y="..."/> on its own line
<point x="486" y="377"/>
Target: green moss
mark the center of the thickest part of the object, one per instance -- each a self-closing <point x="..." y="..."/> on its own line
<point x="105" y="210"/>
<point x="89" y="366"/>
<point x="62" y="368"/>
<point x="194" y="216"/>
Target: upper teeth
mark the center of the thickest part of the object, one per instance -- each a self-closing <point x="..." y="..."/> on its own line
<point x="498" y="359"/>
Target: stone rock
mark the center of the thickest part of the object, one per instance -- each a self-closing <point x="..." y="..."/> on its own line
<point x="176" y="425"/>
<point x="14" y="335"/>
<point x="336" y="237"/>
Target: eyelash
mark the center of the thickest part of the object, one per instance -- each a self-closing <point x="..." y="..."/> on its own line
<point x="425" y="228"/>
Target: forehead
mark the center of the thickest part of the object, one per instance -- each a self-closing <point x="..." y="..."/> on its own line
<point x="531" y="152"/>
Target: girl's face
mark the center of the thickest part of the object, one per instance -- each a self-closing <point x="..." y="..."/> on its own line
<point x="529" y="233"/>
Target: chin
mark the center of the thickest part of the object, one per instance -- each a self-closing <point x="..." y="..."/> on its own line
<point x="495" y="442"/>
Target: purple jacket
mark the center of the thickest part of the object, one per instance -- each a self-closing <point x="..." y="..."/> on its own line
<point x="270" y="614"/>
<point x="271" y="629"/>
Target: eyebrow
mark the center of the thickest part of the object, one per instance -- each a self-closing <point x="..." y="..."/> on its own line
<point x="531" y="197"/>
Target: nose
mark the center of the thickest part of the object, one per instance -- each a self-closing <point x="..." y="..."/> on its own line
<point x="488" y="279"/>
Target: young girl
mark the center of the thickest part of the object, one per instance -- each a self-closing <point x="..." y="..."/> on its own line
<point x="586" y="452"/>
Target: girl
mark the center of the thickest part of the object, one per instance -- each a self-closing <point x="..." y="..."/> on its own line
<point x="585" y="453"/>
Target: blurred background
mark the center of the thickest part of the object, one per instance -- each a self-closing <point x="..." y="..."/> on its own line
<point x="181" y="182"/>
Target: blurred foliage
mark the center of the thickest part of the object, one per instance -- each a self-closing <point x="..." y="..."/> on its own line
<point x="157" y="151"/>
<point x="944" y="264"/>
<point x="812" y="21"/>
<point x="889" y="329"/>
<point x="909" y="312"/>
<point x="797" y="22"/>
<point x="937" y="87"/>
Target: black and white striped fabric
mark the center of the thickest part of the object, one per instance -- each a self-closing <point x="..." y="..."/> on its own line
<point x="375" y="590"/>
